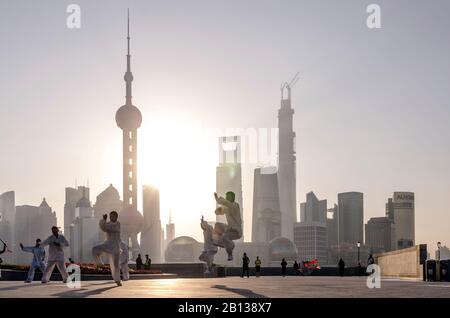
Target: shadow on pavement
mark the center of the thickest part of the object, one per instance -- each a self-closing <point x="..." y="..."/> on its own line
<point x="83" y="292"/>
<point x="240" y="291"/>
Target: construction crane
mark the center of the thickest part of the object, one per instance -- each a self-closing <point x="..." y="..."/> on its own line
<point x="289" y="85"/>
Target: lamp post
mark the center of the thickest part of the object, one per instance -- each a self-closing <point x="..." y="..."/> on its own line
<point x="438" y="265"/>
<point x="358" y="245"/>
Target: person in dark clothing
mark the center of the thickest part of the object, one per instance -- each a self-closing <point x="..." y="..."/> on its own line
<point x="257" y="266"/>
<point x="283" y="267"/>
<point x="341" y="265"/>
<point x="139" y="262"/>
<point x="359" y="269"/>
<point x="296" y="268"/>
<point x="370" y="260"/>
<point x="148" y="262"/>
<point x="245" y="262"/>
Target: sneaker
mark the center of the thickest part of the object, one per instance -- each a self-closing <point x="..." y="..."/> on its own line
<point x="27" y="281"/>
<point x="207" y="272"/>
<point x="64" y="281"/>
<point x="44" y="282"/>
<point x="119" y="283"/>
<point x="230" y="258"/>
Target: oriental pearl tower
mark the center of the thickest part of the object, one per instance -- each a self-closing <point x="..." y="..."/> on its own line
<point x="129" y="119"/>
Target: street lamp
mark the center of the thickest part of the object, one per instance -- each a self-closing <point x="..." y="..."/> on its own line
<point x="438" y="265"/>
<point x="358" y="245"/>
<point x="438" y="251"/>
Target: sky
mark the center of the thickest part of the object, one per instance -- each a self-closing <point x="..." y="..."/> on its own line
<point x="371" y="106"/>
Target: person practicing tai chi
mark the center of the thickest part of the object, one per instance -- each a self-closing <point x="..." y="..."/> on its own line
<point x="38" y="259"/>
<point x="56" y="243"/>
<point x="233" y="230"/>
<point x="123" y="261"/>
<point x="210" y="249"/>
<point x="111" y="246"/>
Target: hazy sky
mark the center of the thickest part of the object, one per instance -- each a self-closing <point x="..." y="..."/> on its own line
<point x="371" y="109"/>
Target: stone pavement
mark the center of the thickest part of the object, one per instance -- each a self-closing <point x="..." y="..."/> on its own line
<point x="268" y="286"/>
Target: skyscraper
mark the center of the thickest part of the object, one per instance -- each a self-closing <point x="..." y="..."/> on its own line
<point x="170" y="229"/>
<point x="286" y="166"/>
<point x="313" y="210"/>
<point x="310" y="235"/>
<point x="332" y="226"/>
<point x="266" y="218"/>
<point x="151" y="233"/>
<point x="380" y="235"/>
<point x="401" y="210"/>
<point x="350" y="218"/>
<point x="228" y="172"/>
<point x="129" y="119"/>
<point x="84" y="231"/>
<point x="73" y="195"/>
<point x="32" y="222"/>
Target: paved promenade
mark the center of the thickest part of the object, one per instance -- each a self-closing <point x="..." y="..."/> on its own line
<point x="270" y="286"/>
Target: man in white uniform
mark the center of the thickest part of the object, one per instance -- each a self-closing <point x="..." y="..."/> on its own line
<point x="233" y="229"/>
<point x="123" y="260"/>
<point x="56" y="243"/>
<point x="210" y="249"/>
<point x="111" y="246"/>
<point x="38" y="259"/>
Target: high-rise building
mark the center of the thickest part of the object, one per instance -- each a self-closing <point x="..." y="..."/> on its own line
<point x="286" y="166"/>
<point x="84" y="231"/>
<point x="170" y="230"/>
<point x="266" y="220"/>
<point x="350" y="218"/>
<point x="311" y="241"/>
<point x="32" y="222"/>
<point x="228" y="172"/>
<point x="73" y="195"/>
<point x="310" y="235"/>
<point x="401" y="210"/>
<point x="380" y="235"/>
<point x="7" y="221"/>
<point x="129" y="119"/>
<point x="151" y="233"/>
<point x="332" y="226"/>
<point x="313" y="210"/>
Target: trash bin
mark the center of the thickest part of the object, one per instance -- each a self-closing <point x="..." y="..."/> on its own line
<point x="444" y="270"/>
<point x="431" y="270"/>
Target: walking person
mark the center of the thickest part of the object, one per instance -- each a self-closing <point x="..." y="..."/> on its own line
<point x="341" y="266"/>
<point x="296" y="268"/>
<point x="56" y="243"/>
<point x="257" y="266"/>
<point x="245" y="262"/>
<point x="38" y="259"/>
<point x="283" y="267"/>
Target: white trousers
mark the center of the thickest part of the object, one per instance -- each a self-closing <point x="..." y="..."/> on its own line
<point x="125" y="271"/>
<point x="49" y="270"/>
<point x="106" y="248"/>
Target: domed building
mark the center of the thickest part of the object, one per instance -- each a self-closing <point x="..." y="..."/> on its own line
<point x="280" y="248"/>
<point x="183" y="249"/>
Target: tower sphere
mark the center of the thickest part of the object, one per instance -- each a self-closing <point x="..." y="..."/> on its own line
<point x="128" y="117"/>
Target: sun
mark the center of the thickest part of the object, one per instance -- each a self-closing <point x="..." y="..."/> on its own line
<point x="178" y="154"/>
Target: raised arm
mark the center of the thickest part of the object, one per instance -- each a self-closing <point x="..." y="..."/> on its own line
<point x="47" y="241"/>
<point x="27" y="249"/>
<point x="224" y="202"/>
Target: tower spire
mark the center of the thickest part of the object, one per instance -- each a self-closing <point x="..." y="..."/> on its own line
<point x="128" y="75"/>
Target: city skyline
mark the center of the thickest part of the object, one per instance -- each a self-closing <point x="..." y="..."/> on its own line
<point x="344" y="159"/>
